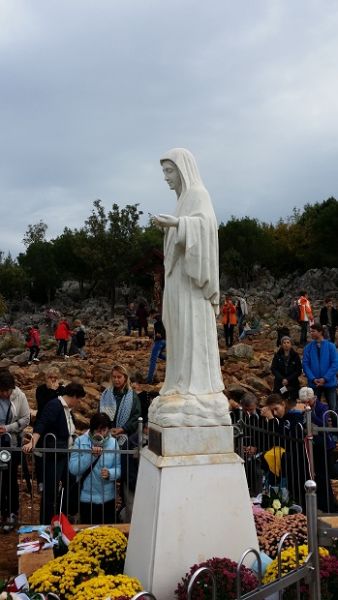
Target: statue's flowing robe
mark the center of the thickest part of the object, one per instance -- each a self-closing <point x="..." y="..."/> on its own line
<point x="191" y="293"/>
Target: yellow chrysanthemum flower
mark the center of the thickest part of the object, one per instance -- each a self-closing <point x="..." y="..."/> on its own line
<point x="62" y="574"/>
<point x="288" y="558"/>
<point x="106" y="543"/>
<point x="107" y="586"/>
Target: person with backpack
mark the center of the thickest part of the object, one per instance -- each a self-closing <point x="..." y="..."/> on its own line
<point x="33" y="343"/>
<point x="229" y="321"/>
<point x="305" y="316"/>
<point x="78" y="339"/>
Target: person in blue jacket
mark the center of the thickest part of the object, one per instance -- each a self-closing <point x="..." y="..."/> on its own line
<point x="320" y="365"/>
<point x="97" y="471"/>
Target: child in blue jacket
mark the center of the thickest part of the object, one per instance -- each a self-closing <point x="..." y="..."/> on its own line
<point x="97" y="470"/>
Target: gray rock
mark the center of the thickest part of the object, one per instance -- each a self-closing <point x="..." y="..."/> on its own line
<point x="103" y="337"/>
<point x="4" y="363"/>
<point x="241" y="351"/>
<point x="258" y="384"/>
<point x="21" y="359"/>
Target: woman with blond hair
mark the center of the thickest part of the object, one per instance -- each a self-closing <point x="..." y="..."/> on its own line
<point x="51" y="388"/>
<point x="121" y="404"/>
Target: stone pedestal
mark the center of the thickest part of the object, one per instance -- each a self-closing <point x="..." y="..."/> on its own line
<point x="191" y="503"/>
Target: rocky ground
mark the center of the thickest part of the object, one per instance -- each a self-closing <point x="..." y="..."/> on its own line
<point x="246" y="364"/>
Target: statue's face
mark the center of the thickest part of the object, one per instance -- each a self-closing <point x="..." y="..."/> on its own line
<point x="172" y="176"/>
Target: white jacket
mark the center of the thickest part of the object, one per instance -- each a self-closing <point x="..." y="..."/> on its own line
<point x="20" y="415"/>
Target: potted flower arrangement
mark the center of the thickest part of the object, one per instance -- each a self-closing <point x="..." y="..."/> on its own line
<point x="225" y="571"/>
<point x="271" y="528"/>
<point x="288" y="561"/>
<point x="107" y="544"/>
<point x="90" y="569"/>
<point x="61" y="575"/>
<point x="108" y="586"/>
<point x="328" y="573"/>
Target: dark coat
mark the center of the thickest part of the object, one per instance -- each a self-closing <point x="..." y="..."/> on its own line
<point x="53" y="420"/>
<point x="290" y="371"/>
<point x="324" y="318"/>
<point x="44" y="394"/>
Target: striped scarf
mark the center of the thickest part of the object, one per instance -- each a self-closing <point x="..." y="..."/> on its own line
<point x="108" y="405"/>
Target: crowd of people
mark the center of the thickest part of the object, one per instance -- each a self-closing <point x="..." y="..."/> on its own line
<point x="70" y="340"/>
<point x="100" y="471"/>
<point x="285" y="407"/>
<point x="95" y="463"/>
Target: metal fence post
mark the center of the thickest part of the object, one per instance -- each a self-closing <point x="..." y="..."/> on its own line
<point x="240" y="425"/>
<point x="312" y="534"/>
<point x="309" y="436"/>
<point x="139" y="436"/>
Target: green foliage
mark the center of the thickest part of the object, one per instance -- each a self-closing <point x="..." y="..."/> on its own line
<point x="39" y="265"/>
<point x="3" y="305"/>
<point x="111" y="247"/>
<point x="13" y="280"/>
<point x="318" y="225"/>
<point x="243" y="243"/>
<point x="306" y="240"/>
<point x="72" y="256"/>
<point x="9" y="341"/>
<point x="35" y="233"/>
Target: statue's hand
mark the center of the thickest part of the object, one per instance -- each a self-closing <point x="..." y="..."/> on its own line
<point x="216" y="309"/>
<point x="166" y="221"/>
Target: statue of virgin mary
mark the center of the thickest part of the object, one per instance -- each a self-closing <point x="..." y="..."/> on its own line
<point x="192" y="393"/>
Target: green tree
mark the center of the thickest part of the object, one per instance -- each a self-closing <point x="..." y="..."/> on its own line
<point x="111" y="245"/>
<point x="317" y="226"/>
<point x="243" y="243"/>
<point x="72" y="257"/>
<point x="39" y="265"/>
<point x="35" y="233"/>
<point x="13" y="281"/>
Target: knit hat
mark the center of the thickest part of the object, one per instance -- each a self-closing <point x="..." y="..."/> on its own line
<point x="285" y="337"/>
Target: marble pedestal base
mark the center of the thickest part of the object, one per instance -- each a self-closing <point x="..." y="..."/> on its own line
<point x="187" y="508"/>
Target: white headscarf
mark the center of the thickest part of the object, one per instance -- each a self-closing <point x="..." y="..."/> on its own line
<point x="187" y="166"/>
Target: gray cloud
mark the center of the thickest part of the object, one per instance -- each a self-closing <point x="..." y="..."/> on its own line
<point x="94" y="92"/>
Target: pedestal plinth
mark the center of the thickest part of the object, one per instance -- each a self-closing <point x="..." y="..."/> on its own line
<point x="191" y="503"/>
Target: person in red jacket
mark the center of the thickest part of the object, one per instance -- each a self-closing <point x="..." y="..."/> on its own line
<point x="62" y="335"/>
<point x="229" y="320"/>
<point x="33" y="343"/>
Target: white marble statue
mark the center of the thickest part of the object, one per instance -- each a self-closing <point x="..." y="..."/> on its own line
<point x="192" y="391"/>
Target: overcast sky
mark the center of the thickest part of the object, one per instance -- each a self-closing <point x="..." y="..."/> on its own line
<point x="93" y="92"/>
